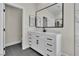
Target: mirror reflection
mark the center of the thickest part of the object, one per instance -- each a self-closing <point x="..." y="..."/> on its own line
<point x="50" y="17"/>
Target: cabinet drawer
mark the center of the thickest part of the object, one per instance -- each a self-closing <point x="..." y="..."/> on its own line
<point x="50" y="52"/>
<point x="50" y="41"/>
<point x="50" y="46"/>
<point x="51" y="36"/>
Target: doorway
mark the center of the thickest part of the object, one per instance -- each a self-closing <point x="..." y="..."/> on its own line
<point x="13" y="26"/>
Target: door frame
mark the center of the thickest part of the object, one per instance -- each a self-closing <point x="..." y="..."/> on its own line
<point x="16" y="6"/>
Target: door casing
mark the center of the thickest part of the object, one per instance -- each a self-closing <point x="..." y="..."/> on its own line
<point x="4" y="24"/>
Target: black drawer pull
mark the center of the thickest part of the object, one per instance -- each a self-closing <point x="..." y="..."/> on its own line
<point x="49" y="39"/>
<point x="49" y="44"/>
<point x="37" y="42"/>
<point x="49" y="50"/>
<point x="48" y="55"/>
<point x="37" y="36"/>
<point x="29" y="41"/>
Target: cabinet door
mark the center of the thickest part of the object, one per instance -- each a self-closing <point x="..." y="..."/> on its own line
<point x="41" y="45"/>
<point x="34" y="44"/>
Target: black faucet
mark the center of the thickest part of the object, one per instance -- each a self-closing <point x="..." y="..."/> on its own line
<point x="44" y="30"/>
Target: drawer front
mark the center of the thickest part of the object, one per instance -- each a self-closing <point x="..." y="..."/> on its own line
<point x="50" y="52"/>
<point x="51" y="46"/>
<point x="51" y="36"/>
<point x="50" y="49"/>
<point x="50" y="40"/>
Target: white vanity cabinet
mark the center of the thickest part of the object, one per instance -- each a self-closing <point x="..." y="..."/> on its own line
<point x="33" y="41"/>
<point x="53" y="44"/>
<point x="46" y="44"/>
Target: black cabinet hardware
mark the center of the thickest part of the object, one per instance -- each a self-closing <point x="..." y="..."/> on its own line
<point x="49" y="50"/>
<point x="37" y="36"/>
<point x="3" y="29"/>
<point x="3" y="10"/>
<point x="37" y="42"/>
<point x="30" y="41"/>
<point x="49" y="39"/>
<point x="49" y="44"/>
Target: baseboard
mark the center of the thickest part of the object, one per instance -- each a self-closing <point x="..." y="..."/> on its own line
<point x="12" y="43"/>
<point x="25" y="47"/>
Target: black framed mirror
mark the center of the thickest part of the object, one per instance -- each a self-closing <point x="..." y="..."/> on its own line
<point x="55" y="12"/>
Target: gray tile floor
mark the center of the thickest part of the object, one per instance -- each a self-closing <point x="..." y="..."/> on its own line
<point x="16" y="50"/>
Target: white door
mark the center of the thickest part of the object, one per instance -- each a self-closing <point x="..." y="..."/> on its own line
<point x="1" y="30"/>
<point x="2" y="26"/>
<point x="13" y="25"/>
<point x="11" y="28"/>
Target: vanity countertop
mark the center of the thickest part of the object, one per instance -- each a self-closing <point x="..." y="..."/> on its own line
<point x="54" y="32"/>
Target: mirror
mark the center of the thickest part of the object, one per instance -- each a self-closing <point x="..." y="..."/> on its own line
<point x="50" y="16"/>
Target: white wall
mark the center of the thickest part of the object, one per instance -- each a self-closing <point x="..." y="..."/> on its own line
<point x="41" y="5"/>
<point x="67" y="31"/>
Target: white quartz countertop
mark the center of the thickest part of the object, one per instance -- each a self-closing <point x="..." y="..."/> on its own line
<point x="53" y="32"/>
